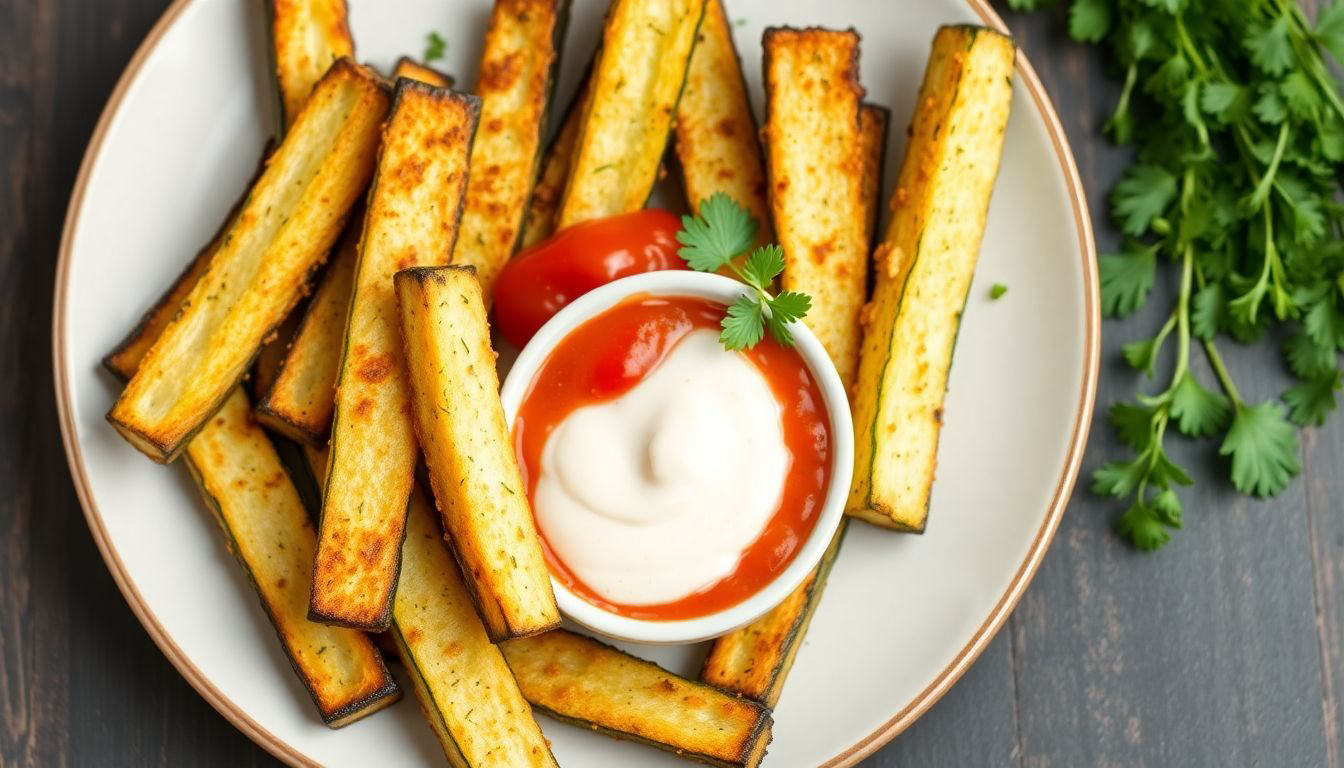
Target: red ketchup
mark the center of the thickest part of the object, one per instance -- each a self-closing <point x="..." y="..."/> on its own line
<point x="541" y="280"/>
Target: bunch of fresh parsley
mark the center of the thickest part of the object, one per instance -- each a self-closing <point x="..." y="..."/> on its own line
<point x="1238" y="126"/>
<point x="712" y="241"/>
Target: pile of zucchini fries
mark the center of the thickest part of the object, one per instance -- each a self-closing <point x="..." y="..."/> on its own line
<point x="400" y="203"/>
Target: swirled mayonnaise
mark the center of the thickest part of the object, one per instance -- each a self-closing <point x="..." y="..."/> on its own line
<point x="654" y="495"/>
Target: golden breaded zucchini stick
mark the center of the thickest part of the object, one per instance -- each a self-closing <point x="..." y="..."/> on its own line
<point x="518" y="67"/>
<point x="463" y="684"/>
<point x="755" y="660"/>
<point x="291" y="219"/>
<point x="468" y="450"/>
<point x="413" y="210"/>
<point x="636" y="82"/>
<point x="595" y="686"/>
<point x="924" y="267"/>
<point x="717" y="143"/>
<point x="544" y="204"/>
<point x="300" y="402"/>
<point x="307" y="37"/>
<point x="268" y="530"/>
<point x="813" y="156"/>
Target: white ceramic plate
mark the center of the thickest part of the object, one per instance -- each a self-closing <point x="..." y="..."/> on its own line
<point x="903" y="616"/>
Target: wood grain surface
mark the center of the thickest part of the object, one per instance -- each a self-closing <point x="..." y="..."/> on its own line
<point x="1224" y="649"/>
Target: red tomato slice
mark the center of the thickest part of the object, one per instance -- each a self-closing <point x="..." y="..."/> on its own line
<point x="541" y="280"/>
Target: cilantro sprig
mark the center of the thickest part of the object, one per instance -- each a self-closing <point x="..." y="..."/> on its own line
<point x="1234" y="193"/>
<point x="712" y="240"/>
<point x="435" y="47"/>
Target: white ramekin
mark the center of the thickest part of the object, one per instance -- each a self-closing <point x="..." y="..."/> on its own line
<point x="724" y="290"/>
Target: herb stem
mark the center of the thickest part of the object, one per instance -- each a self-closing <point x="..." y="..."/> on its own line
<point x="1188" y="45"/>
<point x="1219" y="369"/>
<point x="1261" y="193"/>
<point x="1183" y="314"/>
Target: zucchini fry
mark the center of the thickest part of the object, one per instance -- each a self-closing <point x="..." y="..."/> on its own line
<point x="593" y="685"/>
<point x="924" y="267"/>
<point x="463" y="684"/>
<point x="636" y="83"/>
<point x="413" y="70"/>
<point x="300" y="402"/>
<point x="717" y="142"/>
<point x="517" y="73"/>
<point x="307" y="37"/>
<point x="754" y="661"/>
<point x="291" y="219"/>
<point x="542" y="208"/>
<point x="468" y="450"/>
<point x="813" y="154"/>
<point x="268" y="530"/>
<point x="413" y="211"/>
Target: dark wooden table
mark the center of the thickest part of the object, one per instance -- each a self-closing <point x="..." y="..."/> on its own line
<point x="1224" y="649"/>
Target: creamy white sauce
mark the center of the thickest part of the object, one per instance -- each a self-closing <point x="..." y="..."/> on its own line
<point x="655" y="495"/>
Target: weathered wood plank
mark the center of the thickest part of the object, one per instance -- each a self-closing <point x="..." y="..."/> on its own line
<point x="1325" y="512"/>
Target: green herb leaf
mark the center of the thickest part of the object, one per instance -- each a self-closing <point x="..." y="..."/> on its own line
<point x="1119" y="478"/>
<point x="763" y="266"/>
<point x="1198" y="412"/>
<point x="1269" y="45"/>
<point x="1263" y="447"/>
<point x="743" y="325"/>
<point x="1269" y="107"/>
<point x="1142" y="195"/>
<point x="1306" y="358"/>
<point x="1223" y="100"/>
<point x="1324" y="325"/>
<point x="1089" y="20"/>
<point x="1207" y="309"/>
<point x="1330" y="29"/>
<point x="790" y="306"/>
<point x="1133" y="425"/>
<point x="435" y="47"/>
<point x="996" y="291"/>
<point x="1167" y="508"/>
<point x="1310" y="402"/>
<point x="1126" y="279"/>
<point x="1140" y="525"/>
<point x="785" y="308"/>
<point x="721" y="232"/>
